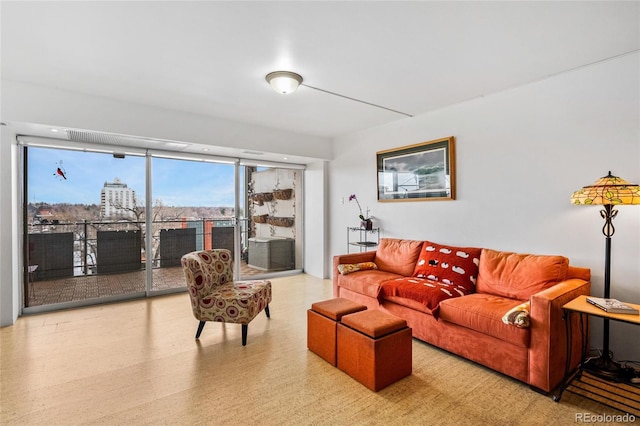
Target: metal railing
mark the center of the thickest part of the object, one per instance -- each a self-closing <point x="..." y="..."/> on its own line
<point x="87" y="247"/>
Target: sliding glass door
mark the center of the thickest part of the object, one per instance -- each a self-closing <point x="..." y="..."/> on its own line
<point x="193" y="209"/>
<point x="272" y="242"/>
<point x="84" y="226"/>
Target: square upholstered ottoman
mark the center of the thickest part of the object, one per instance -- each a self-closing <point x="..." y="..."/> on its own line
<point x="374" y="348"/>
<point x="322" y="321"/>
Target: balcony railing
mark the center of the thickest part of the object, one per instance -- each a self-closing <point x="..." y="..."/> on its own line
<point x="63" y="249"/>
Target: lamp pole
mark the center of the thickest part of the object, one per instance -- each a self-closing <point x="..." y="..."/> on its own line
<point x="604" y="365"/>
<point x="608" y="213"/>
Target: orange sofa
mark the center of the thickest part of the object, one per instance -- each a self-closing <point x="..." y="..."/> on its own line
<point x="500" y="309"/>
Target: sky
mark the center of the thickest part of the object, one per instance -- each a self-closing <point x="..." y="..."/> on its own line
<point x="86" y="172"/>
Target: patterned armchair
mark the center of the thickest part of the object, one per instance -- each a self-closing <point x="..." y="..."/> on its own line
<point x="216" y="297"/>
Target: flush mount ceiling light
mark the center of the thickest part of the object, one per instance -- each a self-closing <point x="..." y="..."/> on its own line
<point x="284" y="81"/>
<point x="288" y="81"/>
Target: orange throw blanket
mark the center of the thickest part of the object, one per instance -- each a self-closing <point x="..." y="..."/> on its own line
<point x="429" y="293"/>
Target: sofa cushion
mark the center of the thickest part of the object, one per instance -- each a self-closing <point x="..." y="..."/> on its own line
<point x="518" y="276"/>
<point x="426" y="292"/>
<point x="483" y="313"/>
<point x="365" y="282"/>
<point x="448" y="264"/>
<point x="397" y="256"/>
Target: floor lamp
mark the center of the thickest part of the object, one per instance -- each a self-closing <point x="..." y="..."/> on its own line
<point x="607" y="192"/>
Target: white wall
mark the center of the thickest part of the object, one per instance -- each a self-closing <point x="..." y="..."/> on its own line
<point x="5" y="227"/>
<point x="10" y="226"/>
<point x="520" y="154"/>
<point x="316" y="225"/>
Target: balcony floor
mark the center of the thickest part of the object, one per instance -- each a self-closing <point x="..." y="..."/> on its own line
<point x="97" y="286"/>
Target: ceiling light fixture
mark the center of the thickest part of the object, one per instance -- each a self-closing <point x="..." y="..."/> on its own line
<point x="288" y="81"/>
<point x="284" y="81"/>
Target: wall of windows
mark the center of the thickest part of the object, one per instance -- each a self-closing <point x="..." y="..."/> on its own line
<point x="101" y="226"/>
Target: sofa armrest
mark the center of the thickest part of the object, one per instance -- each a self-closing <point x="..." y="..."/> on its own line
<point x="548" y="347"/>
<point x="341" y="259"/>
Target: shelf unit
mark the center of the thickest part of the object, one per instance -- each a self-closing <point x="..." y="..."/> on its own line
<point x="364" y="239"/>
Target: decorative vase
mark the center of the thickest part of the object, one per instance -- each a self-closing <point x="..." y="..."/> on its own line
<point x="367" y="224"/>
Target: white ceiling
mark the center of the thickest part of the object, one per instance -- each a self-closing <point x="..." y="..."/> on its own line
<point x="210" y="58"/>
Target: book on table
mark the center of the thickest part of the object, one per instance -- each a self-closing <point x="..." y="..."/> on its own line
<point x="613" y="306"/>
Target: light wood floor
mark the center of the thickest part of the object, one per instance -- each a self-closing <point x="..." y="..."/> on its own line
<point x="87" y="287"/>
<point x="138" y="363"/>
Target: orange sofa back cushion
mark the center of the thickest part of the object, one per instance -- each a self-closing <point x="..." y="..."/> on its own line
<point x="398" y="256"/>
<point x="518" y="276"/>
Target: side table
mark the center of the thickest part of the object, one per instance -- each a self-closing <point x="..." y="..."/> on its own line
<point x="620" y="396"/>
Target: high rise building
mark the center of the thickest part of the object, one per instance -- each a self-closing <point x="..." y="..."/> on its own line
<point x="116" y="200"/>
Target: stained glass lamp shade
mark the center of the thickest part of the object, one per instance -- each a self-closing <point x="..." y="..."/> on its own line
<point x="608" y="190"/>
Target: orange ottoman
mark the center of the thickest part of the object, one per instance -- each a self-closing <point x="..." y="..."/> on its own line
<point x="374" y="348"/>
<point x="322" y="321"/>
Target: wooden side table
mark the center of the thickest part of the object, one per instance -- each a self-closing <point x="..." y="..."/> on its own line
<point x="621" y="396"/>
<point x="580" y="305"/>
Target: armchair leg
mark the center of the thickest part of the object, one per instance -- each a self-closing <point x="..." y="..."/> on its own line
<point x="200" y="327"/>
<point x="245" y="328"/>
<point x="266" y="311"/>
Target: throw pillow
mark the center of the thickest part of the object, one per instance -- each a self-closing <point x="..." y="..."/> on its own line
<point x="348" y="268"/>
<point x="518" y="316"/>
<point x="397" y="256"/>
<point x="448" y="264"/>
<point x="518" y="276"/>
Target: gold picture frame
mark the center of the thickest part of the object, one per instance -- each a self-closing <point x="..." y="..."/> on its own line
<point x="419" y="172"/>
